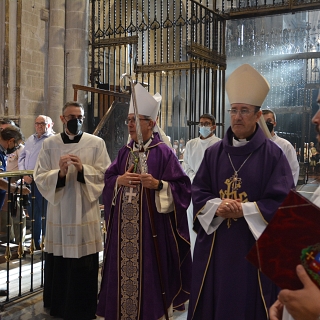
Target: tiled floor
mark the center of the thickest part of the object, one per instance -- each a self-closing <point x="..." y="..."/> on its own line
<point x="32" y="308"/>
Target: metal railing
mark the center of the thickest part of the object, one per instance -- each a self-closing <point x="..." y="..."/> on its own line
<point x="21" y="264"/>
<point x="21" y="275"/>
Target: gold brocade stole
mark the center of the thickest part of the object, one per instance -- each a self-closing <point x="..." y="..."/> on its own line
<point x="129" y="249"/>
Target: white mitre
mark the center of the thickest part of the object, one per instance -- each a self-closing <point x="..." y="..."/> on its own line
<point x="147" y="104"/>
<point x="247" y="85"/>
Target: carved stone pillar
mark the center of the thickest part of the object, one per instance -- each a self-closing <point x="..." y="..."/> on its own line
<point x="77" y="15"/>
<point x="56" y="61"/>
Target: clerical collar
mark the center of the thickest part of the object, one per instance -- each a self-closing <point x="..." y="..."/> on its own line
<point x="70" y="139"/>
<point x="145" y="144"/>
<point x="239" y="142"/>
<point x="71" y="136"/>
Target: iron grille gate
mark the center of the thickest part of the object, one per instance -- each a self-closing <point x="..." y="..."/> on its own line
<point x="179" y="49"/>
<point x="176" y="48"/>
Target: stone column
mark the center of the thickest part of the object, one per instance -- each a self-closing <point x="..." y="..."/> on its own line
<point x="2" y="55"/>
<point x="10" y="58"/>
<point x="77" y="18"/>
<point x="56" y="61"/>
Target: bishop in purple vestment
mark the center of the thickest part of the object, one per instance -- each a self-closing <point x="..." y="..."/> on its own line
<point x="240" y="184"/>
<point x="130" y="287"/>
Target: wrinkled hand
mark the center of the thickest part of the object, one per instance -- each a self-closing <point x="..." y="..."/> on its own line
<point x="129" y="179"/>
<point x="276" y="311"/>
<point x="302" y="304"/>
<point x="14" y="188"/>
<point x="25" y="190"/>
<point x="230" y="208"/>
<point x="148" y="181"/>
<point x="27" y="179"/>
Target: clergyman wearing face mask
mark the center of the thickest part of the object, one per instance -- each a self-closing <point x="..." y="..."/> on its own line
<point x="74" y="124"/>
<point x="193" y="156"/>
<point x="288" y="149"/>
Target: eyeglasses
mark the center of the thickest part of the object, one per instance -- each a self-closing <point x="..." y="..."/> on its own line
<point x="204" y="124"/>
<point x="243" y="112"/>
<point x="133" y="120"/>
<point x="41" y="123"/>
<point x="71" y="117"/>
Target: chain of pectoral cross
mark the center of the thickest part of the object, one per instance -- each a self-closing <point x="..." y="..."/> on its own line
<point x="235" y="180"/>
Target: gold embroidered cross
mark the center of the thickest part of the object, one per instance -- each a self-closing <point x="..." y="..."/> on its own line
<point x="310" y="255"/>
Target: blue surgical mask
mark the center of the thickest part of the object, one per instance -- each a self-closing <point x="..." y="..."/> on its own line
<point x="205" y="131"/>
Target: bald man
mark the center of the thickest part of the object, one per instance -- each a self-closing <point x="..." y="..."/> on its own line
<point x="27" y="161"/>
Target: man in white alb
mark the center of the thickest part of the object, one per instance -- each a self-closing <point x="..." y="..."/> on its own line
<point x="285" y="145"/>
<point x="69" y="173"/>
<point x="193" y="156"/>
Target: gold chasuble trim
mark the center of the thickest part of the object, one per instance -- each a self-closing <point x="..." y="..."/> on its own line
<point x="260" y="286"/>
<point x="262" y="296"/>
<point x="130" y="250"/>
<point x="196" y="215"/>
<point x="204" y="274"/>
<point x="261" y="215"/>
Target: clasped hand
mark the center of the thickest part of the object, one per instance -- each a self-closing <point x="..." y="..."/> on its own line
<point x="27" y="179"/>
<point x="68" y="160"/>
<point x="16" y="189"/>
<point x="130" y="179"/>
<point x="230" y="208"/>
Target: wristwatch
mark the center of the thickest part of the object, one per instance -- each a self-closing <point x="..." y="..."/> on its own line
<point x="160" y="185"/>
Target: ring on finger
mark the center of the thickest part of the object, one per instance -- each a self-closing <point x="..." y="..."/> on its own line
<point x="129" y="181"/>
<point x="227" y="203"/>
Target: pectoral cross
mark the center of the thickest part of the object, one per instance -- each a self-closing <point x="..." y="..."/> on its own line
<point x="235" y="182"/>
<point x="130" y="195"/>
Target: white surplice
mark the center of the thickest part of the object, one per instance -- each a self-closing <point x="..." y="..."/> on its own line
<point x="73" y="214"/>
<point x="192" y="159"/>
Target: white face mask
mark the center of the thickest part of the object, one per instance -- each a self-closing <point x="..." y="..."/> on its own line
<point x="205" y="131"/>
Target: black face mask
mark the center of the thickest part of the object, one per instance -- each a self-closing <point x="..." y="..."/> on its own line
<point x="270" y="126"/>
<point x="12" y="150"/>
<point x="74" y="126"/>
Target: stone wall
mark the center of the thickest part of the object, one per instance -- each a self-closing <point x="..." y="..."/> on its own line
<point x="45" y="51"/>
<point x="33" y="66"/>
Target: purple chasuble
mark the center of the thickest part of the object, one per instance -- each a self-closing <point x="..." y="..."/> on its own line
<point x="130" y="287"/>
<point x="224" y="284"/>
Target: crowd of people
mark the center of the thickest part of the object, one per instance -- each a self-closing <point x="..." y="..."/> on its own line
<point x="174" y="233"/>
